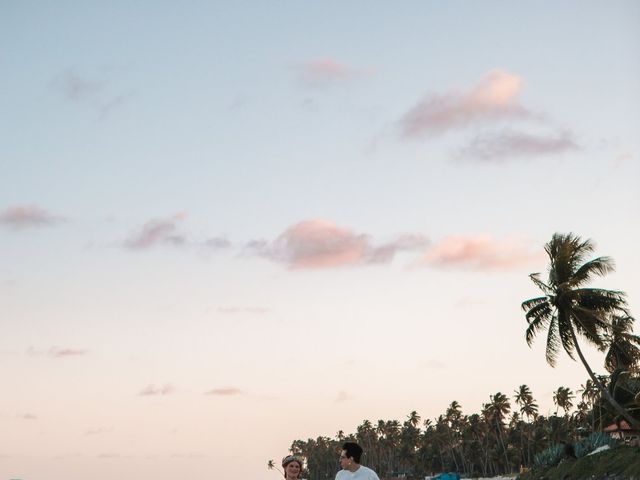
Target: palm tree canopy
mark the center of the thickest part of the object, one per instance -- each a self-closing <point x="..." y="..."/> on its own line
<point x="524" y="398"/>
<point x="563" y="398"/>
<point x="624" y="346"/>
<point x="568" y="306"/>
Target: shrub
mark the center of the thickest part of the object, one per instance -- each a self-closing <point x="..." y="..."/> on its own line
<point x="549" y="457"/>
<point x="593" y="441"/>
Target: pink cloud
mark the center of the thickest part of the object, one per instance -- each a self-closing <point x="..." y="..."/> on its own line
<point x="493" y="98"/>
<point x="157" y="232"/>
<point x="225" y="391"/>
<point x="319" y="244"/>
<point x="23" y="216"/>
<point x="324" y="71"/>
<point x="623" y="158"/>
<point x="152" y="390"/>
<point x="315" y="244"/>
<point x="510" y="145"/>
<point x="387" y="251"/>
<point x="481" y="253"/>
<point x="56" y="352"/>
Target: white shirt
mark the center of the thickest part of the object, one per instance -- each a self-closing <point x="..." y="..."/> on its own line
<point x="362" y="473"/>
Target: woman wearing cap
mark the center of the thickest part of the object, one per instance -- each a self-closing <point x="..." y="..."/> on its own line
<point x="292" y="467"/>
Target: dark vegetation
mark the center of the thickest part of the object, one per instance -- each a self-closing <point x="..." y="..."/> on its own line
<point x="509" y="434"/>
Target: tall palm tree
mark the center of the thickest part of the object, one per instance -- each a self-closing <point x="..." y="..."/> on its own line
<point x="568" y="309"/>
<point x="524" y="398"/>
<point x="497" y="411"/>
<point x="529" y="409"/>
<point x="563" y="398"/>
<point x="589" y="392"/>
<point x="272" y="466"/>
<point x="414" y="418"/>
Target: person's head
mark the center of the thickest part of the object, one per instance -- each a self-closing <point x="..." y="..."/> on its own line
<point x="292" y="466"/>
<point x="350" y="456"/>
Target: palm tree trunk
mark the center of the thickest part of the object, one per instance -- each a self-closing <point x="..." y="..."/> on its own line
<point x="632" y="421"/>
<point x="504" y="450"/>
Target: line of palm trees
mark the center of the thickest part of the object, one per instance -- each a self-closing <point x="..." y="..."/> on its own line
<point x="500" y="439"/>
<point x="505" y="436"/>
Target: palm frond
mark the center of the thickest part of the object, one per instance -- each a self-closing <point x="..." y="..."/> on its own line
<point x="529" y="304"/>
<point x="580" y="249"/>
<point x="535" y="278"/>
<point x="564" y="331"/>
<point x="551" y="352"/>
<point x="535" y="325"/>
<point x="591" y="325"/>
<point x="601" y="299"/>
<point x="541" y="311"/>
<point x="624" y="346"/>
<point x="598" y="266"/>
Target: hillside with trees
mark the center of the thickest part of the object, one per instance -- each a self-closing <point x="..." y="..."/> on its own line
<point x="509" y="434"/>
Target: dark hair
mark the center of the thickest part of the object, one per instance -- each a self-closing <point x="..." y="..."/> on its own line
<point x="353" y="450"/>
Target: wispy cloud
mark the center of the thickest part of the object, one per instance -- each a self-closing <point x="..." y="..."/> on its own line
<point x="76" y="87"/>
<point x="623" y="158"/>
<point x="109" y="456"/>
<point x="217" y="243"/>
<point x="386" y="252"/>
<point x="342" y="397"/>
<point x="113" y="103"/>
<point x="96" y="431"/>
<point x="468" y="302"/>
<point x="156" y="232"/>
<point x="432" y="364"/>
<point x="152" y="390"/>
<point x="225" y="392"/>
<point x="315" y="244"/>
<point x="236" y="310"/>
<point x="57" y="352"/>
<point x="84" y="89"/>
<point x="481" y="253"/>
<point x="168" y="231"/>
<point x="494" y="98"/>
<point x="325" y="71"/>
<point x="509" y="145"/>
<point x="25" y="216"/>
<point x="188" y="456"/>
<point x="28" y="416"/>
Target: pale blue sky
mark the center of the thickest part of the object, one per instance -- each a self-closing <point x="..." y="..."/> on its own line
<point x="348" y="255"/>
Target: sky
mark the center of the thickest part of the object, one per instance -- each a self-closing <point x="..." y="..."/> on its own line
<point x="225" y="226"/>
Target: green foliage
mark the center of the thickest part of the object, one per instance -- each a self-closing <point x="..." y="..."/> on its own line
<point x="549" y="457"/>
<point x="593" y="441"/>
<point x="622" y="462"/>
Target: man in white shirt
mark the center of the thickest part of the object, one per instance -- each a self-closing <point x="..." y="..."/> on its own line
<point x="350" y="464"/>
